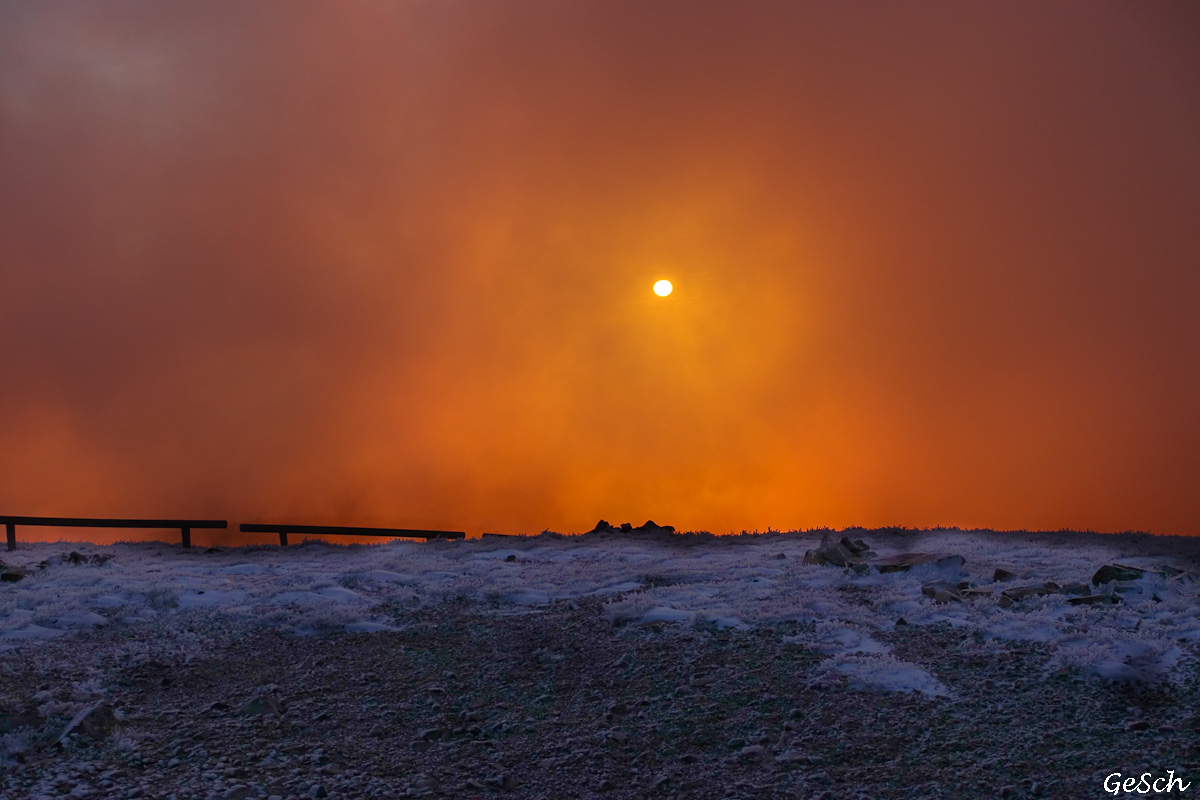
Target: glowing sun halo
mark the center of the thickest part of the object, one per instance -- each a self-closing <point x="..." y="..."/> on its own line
<point x="662" y="288"/>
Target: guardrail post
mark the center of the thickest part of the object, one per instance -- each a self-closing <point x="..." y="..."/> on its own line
<point x="187" y="536"/>
<point x="282" y="539"/>
<point x="11" y="529"/>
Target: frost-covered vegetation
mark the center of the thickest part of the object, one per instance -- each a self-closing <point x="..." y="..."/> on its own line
<point x="684" y="580"/>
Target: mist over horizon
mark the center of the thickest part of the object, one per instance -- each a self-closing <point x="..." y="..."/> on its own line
<point x="391" y="264"/>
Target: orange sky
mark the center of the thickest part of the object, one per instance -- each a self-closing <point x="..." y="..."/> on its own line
<point x="391" y="263"/>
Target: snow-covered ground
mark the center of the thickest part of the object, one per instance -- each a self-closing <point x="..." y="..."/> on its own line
<point x="725" y="582"/>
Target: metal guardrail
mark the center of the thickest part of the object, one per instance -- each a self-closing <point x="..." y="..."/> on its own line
<point x="343" y="530"/>
<point x="185" y="526"/>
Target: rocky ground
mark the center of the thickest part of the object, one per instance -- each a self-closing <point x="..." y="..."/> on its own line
<point x="470" y="702"/>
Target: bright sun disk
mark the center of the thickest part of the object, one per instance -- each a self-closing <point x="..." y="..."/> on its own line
<point x="662" y="288"/>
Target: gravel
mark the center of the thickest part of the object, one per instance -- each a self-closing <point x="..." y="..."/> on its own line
<point x="468" y="702"/>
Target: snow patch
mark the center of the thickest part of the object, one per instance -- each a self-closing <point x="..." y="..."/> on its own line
<point x="887" y="674"/>
<point x="664" y="614"/>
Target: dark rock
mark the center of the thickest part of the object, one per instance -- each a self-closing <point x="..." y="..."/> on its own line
<point x="856" y="547"/>
<point x="832" y="554"/>
<point x="510" y="558"/>
<point x="261" y="706"/>
<point x="75" y="557"/>
<point x="1177" y="574"/>
<point x="1116" y="572"/>
<point x="626" y="527"/>
<point x="1096" y="600"/>
<point x="99" y="559"/>
<point x="901" y="621"/>
<point x="779" y="556"/>
<point x="1001" y="575"/>
<point x="754" y="752"/>
<point x="658" y="783"/>
<point x="10" y="722"/>
<point x="13" y="574"/>
<point x="1076" y="589"/>
<point x="603" y="527"/>
<point x="652" y="527"/>
<point x="1137" y="725"/>
<point x="505" y="782"/>
<point x="95" y="722"/>
<point x="942" y="592"/>
<point x="905" y="562"/>
<point x="1021" y="592"/>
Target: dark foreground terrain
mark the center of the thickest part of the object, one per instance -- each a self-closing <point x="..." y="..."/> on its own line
<point x="468" y="703"/>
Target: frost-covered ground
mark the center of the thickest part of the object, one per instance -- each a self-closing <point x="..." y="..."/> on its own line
<point x="614" y="666"/>
<point x="723" y="582"/>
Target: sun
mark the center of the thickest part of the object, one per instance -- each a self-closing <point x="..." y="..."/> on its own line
<point x="663" y="288"/>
